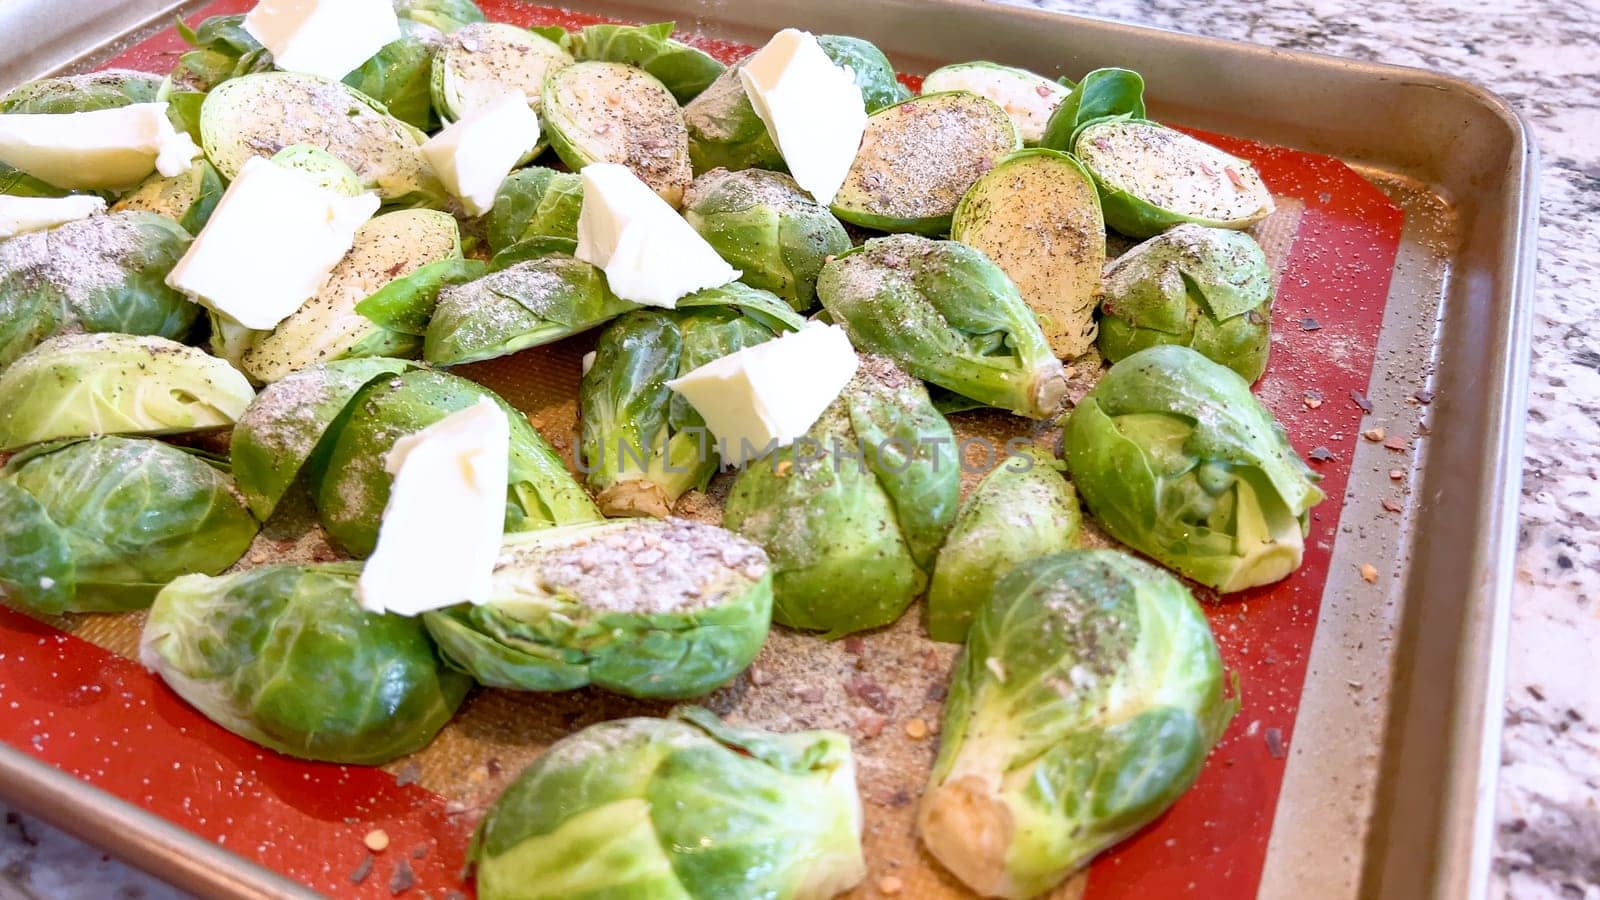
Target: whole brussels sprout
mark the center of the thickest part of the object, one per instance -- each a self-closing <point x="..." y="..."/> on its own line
<point x="1101" y="93"/>
<point x="647" y="608"/>
<point x="644" y="445"/>
<point x="535" y="202"/>
<point x="284" y="656"/>
<point x="352" y="495"/>
<point x="685" y="70"/>
<point x="84" y="385"/>
<point x="1178" y="460"/>
<point x="400" y="76"/>
<point x="686" y="806"/>
<point x="1085" y="702"/>
<point x="763" y="224"/>
<point x="871" y="69"/>
<point x="222" y="50"/>
<point x="853" y="512"/>
<point x="724" y="130"/>
<point x="445" y="15"/>
<point x="107" y="89"/>
<point x="129" y="514"/>
<point x="948" y="315"/>
<point x="1022" y="510"/>
<point x="103" y="273"/>
<point x="1209" y="289"/>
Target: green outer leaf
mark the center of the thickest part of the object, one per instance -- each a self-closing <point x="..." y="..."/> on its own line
<point x="135" y="514"/>
<point x="1084" y="703"/>
<point x="483" y="60"/>
<point x="36" y="567"/>
<point x="110" y="89"/>
<point x="763" y="307"/>
<point x="541" y="247"/>
<point x="724" y="130"/>
<point x="292" y="423"/>
<point x="400" y="76"/>
<point x="283" y="656"/>
<point x="535" y="202"/>
<point x="684" y="70"/>
<point x="1022" y="510"/>
<point x="16" y="183"/>
<point x="872" y="70"/>
<point x="445" y="15"/>
<point x="1101" y="93"/>
<point x="406" y="304"/>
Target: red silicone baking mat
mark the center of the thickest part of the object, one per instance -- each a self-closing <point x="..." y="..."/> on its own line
<point x="79" y="705"/>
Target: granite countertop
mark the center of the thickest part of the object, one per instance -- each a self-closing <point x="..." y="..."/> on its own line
<point x="1544" y="57"/>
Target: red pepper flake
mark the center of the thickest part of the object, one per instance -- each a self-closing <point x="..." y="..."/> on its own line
<point x="869" y="724"/>
<point x="1361" y="400"/>
<point x="854" y="645"/>
<point x="1275" y="747"/>
<point x="1043" y="90"/>
<point x="1321" y="454"/>
<point x="870" y="692"/>
<point x="1390" y="505"/>
<point x="1310" y="324"/>
<point x="1207" y="169"/>
<point x="1398" y="443"/>
<point x="1233" y="176"/>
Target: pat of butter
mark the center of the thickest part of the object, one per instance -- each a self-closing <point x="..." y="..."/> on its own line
<point x="649" y="253"/>
<point x="473" y="156"/>
<point x="441" y="530"/>
<point x="330" y="38"/>
<point x="20" y="214"/>
<point x="107" y="149"/>
<point x="269" y="245"/>
<point x="812" y="108"/>
<point x="767" y="396"/>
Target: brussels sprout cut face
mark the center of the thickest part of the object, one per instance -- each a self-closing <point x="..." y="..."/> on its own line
<point x="109" y="89"/>
<point x="480" y="62"/>
<point x="684" y="70"/>
<point x="616" y="113"/>
<point x="1027" y="98"/>
<point x="680" y="807"/>
<point x="1087" y="697"/>
<point x="1178" y="460"/>
<point x="654" y="609"/>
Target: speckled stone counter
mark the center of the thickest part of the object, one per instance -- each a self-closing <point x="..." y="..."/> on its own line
<point x="1545" y="58"/>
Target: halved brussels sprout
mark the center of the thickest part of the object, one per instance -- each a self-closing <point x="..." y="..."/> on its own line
<point x="292" y="423"/>
<point x="83" y="385"/>
<point x="130" y="514"/>
<point x="1084" y="704"/>
<point x="535" y="202"/>
<point x="1179" y="461"/>
<point x="230" y="340"/>
<point x="948" y="315"/>
<point x="686" y="806"/>
<point x="320" y="167"/>
<point x="647" y="608"/>
<point x="612" y="112"/>
<point x="388" y="248"/>
<point x="103" y="273"/>
<point x="1101" y="93"/>
<point x="853" y="513"/>
<point x="1027" y="98"/>
<point x="1152" y="177"/>
<point x="526" y="304"/>
<point x="644" y="445"/>
<point x="108" y="89"/>
<point x="684" y="70"/>
<point x="258" y="115"/>
<point x="485" y="60"/>
<point x="1036" y="214"/>
<point x="871" y="69"/>
<point x="285" y="657"/>
<point x="1020" y="511"/>
<point x="187" y="199"/>
<point x="400" y="76"/>
<point x="355" y="488"/>
<point x="919" y="157"/>
<point x="724" y="130"/>
<point x="445" y="15"/>
<point x="763" y="224"/>
<point x="1209" y="289"/>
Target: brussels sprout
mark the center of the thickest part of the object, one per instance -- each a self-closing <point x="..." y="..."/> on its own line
<point x="871" y="69"/>
<point x="1177" y="460"/>
<point x="684" y="70"/>
<point x="527" y="304"/>
<point x="1084" y="704"/>
<point x="763" y="224"/>
<point x="686" y="806"/>
<point x="291" y="424"/>
<point x="724" y="129"/>
<point x="400" y="76"/>
<point x="103" y="273"/>
<point x="1037" y="216"/>
<point x="1027" y="98"/>
<point x="1101" y="93"/>
<point x="319" y="167"/>
<point x="853" y="513"/>
<point x="131" y="515"/>
<point x="329" y="326"/>
<point x="230" y="340"/>
<point x="643" y="445"/>
<point x="1209" y="289"/>
<point x="1021" y="510"/>
<point x="535" y="202"/>
<point x="483" y="61"/>
<point x="445" y="15"/>
<point x="107" y="89"/>
<point x="222" y="50"/>
<point x="285" y="657"/>
<point x="187" y="199"/>
<point x="16" y="183"/>
<point x="257" y="115"/>
<point x="82" y="385"/>
<point x="949" y="316"/>
<point x="612" y="112"/>
<point x="355" y="489"/>
<point x="1152" y="178"/>
<point x="646" y="608"/>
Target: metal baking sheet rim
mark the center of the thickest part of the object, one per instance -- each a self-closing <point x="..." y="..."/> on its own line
<point x="1423" y="821"/>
